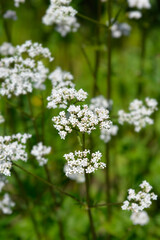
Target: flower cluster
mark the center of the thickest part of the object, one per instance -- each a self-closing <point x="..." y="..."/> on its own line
<point x="39" y="151"/>
<point x="9" y="14"/>
<point x="63" y="92"/>
<point x="21" y="74"/>
<point x="139" y="114"/>
<point x="140" y="218"/>
<point x="134" y="14"/>
<point x="107" y="133"/>
<point x="100" y="102"/>
<point x="83" y="161"/>
<point x="80" y="118"/>
<point x="120" y="29"/>
<point x="78" y="177"/>
<point x="12" y="148"/>
<point x="62" y="15"/>
<point x="140" y="4"/>
<point x="141" y="200"/>
<point x="7" y="49"/>
<point x="17" y="2"/>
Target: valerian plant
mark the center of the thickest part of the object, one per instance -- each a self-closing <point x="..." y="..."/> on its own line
<point x="66" y="146"/>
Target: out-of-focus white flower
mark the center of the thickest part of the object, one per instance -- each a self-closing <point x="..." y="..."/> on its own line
<point x="139" y="114"/>
<point x="134" y="14"/>
<point x="100" y="102"/>
<point x="120" y="29"/>
<point x="140" y="218"/>
<point x="141" y="200"/>
<point x="3" y="181"/>
<point x="17" y="2"/>
<point x="140" y="4"/>
<point x="12" y="148"/>
<point x="78" y="177"/>
<point x="81" y="161"/>
<point x="7" y="49"/>
<point x="39" y="151"/>
<point x="9" y="14"/>
<point x="6" y="204"/>
<point x="106" y="134"/>
<point x="62" y="15"/>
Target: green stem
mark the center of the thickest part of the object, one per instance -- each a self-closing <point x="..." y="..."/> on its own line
<point x="87" y="184"/>
<point x="48" y="183"/>
<point x="91" y="20"/>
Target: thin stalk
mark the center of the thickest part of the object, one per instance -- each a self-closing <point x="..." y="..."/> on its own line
<point x="91" y="20"/>
<point x="87" y="184"/>
<point x="109" y="69"/>
<point x="47" y="183"/>
<point x="25" y="198"/>
<point x="97" y="52"/>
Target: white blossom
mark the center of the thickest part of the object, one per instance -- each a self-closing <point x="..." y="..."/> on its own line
<point x="80" y="118"/>
<point x="10" y="14"/>
<point x="12" y="148"/>
<point x="135" y="14"/>
<point x="78" y="177"/>
<point x="140" y="4"/>
<point x="120" y="29"/>
<point x="106" y="134"/>
<point x="140" y="218"/>
<point x="100" y="102"/>
<point x="17" y="2"/>
<point x="39" y="151"/>
<point x="141" y="200"/>
<point x="20" y="75"/>
<point x="6" y="204"/>
<point x="139" y="114"/>
<point x="7" y="49"/>
<point x="81" y="161"/>
<point x="3" y="181"/>
<point x="62" y="15"/>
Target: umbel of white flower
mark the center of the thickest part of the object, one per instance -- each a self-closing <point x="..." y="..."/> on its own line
<point x="82" y="119"/>
<point x="140" y="4"/>
<point x="106" y="134"/>
<point x="143" y="199"/>
<point x="39" y="151"/>
<point x="62" y="15"/>
<point x="120" y="29"/>
<point x="140" y="218"/>
<point x="21" y="74"/>
<point x="83" y="161"/>
<point x="139" y="114"/>
<point x="17" y="2"/>
<point x="6" y="204"/>
<point x="134" y="14"/>
<point x="12" y="148"/>
<point x="78" y="177"/>
<point x="64" y="93"/>
<point x="100" y="102"/>
<point x="7" y="49"/>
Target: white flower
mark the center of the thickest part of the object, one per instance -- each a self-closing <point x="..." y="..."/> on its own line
<point x="78" y="177"/>
<point x="137" y="202"/>
<point x="140" y="218"/>
<point x="20" y="75"/>
<point x="7" y="49"/>
<point x="140" y="4"/>
<point x="120" y="29"/>
<point x="6" y="204"/>
<point x="39" y="151"/>
<point x="62" y="15"/>
<point x="81" y="161"/>
<point x="139" y="114"/>
<point x="17" y="2"/>
<point x="3" y="181"/>
<point x="81" y="118"/>
<point x="12" y="148"/>
<point x="107" y="133"/>
<point x="9" y="14"/>
<point x="100" y="102"/>
<point x="135" y="14"/>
